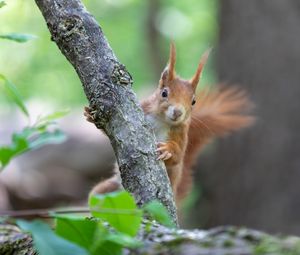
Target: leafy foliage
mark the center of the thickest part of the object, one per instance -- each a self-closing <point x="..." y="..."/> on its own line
<point x="81" y="231"/>
<point x="14" y="94"/>
<point x="159" y="213"/>
<point x="32" y="136"/>
<point x="114" y="226"/>
<point x="21" y="38"/>
<point x="47" y="243"/>
<point x="27" y="139"/>
<point x="17" y="37"/>
<point x="127" y="218"/>
<point x="92" y="235"/>
<point x="2" y="3"/>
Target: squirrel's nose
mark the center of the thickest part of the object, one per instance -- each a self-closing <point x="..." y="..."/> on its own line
<point x="177" y="113"/>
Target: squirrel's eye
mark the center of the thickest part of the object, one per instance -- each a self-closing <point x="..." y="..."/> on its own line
<point x="194" y="101"/>
<point x="164" y="93"/>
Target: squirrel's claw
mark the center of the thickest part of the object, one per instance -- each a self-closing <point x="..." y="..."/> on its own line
<point x="164" y="152"/>
<point x="164" y="156"/>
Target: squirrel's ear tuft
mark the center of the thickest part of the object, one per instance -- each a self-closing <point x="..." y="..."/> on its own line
<point x="169" y="72"/>
<point x="195" y="79"/>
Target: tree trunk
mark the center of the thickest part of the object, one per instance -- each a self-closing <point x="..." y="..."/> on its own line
<point x="107" y="85"/>
<point x="252" y="179"/>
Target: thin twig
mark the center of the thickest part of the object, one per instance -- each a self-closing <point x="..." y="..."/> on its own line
<point x="41" y="213"/>
<point x="44" y="213"/>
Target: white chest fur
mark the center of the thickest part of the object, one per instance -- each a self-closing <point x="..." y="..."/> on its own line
<point x="160" y="128"/>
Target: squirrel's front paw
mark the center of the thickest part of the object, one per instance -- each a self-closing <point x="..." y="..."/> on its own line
<point x="163" y="150"/>
<point x="89" y="113"/>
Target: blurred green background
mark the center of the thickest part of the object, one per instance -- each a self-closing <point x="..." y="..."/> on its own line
<point x="138" y="31"/>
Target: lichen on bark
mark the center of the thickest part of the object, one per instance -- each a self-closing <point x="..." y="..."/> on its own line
<point x="161" y="240"/>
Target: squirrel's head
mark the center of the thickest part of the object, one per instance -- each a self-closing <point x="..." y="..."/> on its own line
<point x="176" y="95"/>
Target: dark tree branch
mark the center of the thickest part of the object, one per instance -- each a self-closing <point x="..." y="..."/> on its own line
<point x="107" y="85"/>
<point x="153" y="37"/>
<point x="41" y="213"/>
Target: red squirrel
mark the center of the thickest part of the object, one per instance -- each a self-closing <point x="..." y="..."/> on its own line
<point x="183" y="122"/>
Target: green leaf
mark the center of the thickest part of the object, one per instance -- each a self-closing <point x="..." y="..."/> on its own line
<point x="29" y="138"/>
<point x="6" y="155"/>
<point x="159" y="213"/>
<point x="14" y="94"/>
<point x="123" y="240"/>
<point x="80" y="230"/>
<point x="108" y="248"/>
<point x="19" y="145"/>
<point x="2" y="3"/>
<point x="53" y="116"/>
<point x="119" y="209"/>
<point x="46" y="137"/>
<point x="47" y="242"/>
<point x="92" y="235"/>
<point x="21" y="38"/>
<point x="44" y="122"/>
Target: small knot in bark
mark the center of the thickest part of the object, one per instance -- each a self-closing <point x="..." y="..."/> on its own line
<point x="120" y="75"/>
<point x="68" y="28"/>
<point x="97" y="116"/>
<point x="103" y="104"/>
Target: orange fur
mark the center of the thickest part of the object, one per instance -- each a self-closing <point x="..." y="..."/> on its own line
<point x="217" y="112"/>
<point x="195" y="80"/>
<point x="182" y="129"/>
<point x="106" y="186"/>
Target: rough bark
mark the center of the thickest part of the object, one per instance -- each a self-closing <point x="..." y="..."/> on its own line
<point x="252" y="178"/>
<point x="107" y="85"/>
<point x="161" y="240"/>
<point x="14" y="242"/>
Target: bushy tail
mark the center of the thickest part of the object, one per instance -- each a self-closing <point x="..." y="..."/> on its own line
<point x="216" y="113"/>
